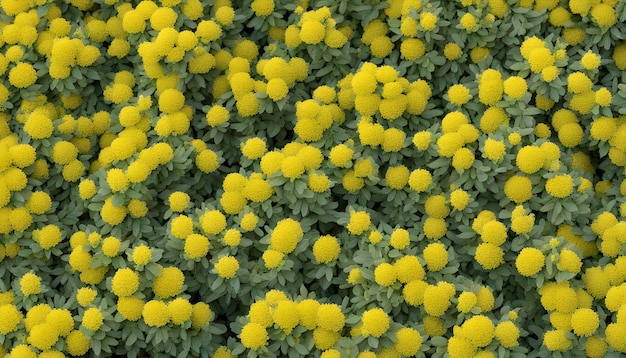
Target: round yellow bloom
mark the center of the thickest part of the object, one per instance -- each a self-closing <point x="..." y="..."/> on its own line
<point x="330" y="317"/>
<point x="409" y="268"/>
<point x="359" y="222"/>
<point x="479" y="330"/>
<point x="30" y="284"/>
<point x="92" y="319"/>
<point x="22" y="75"/>
<point x="560" y="186"/>
<point x="556" y="340"/>
<point x="11" y="317"/>
<point x="458" y="94"/>
<point x="428" y="20"/>
<point x="515" y="87"/>
<point x="459" y="199"/>
<point x="507" y="333"/>
<point x="385" y="274"/>
<point x="452" y="51"/>
<point x="77" y="343"/>
<point x="585" y="322"/>
<point x="489" y="256"/>
<point x="312" y="32"/>
<point x="155" y="313"/>
<point x="529" y="261"/>
<point x="399" y="239"/>
<point x="196" y="246"/>
<point x="125" y="282"/>
<point x="375" y="322"/>
<point x="227" y="267"/>
<point x="408" y="341"/>
<point x="253" y="336"/>
<point x="530" y="159"/>
<point x="436" y="256"/>
<point x="326" y="249"/>
<point x="180" y="310"/>
<point x="420" y="180"/>
<point x="85" y="297"/>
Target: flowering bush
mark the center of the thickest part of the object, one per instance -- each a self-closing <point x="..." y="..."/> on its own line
<point x="272" y="178"/>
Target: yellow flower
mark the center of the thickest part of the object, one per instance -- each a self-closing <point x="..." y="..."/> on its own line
<point x="428" y="20"/>
<point x="530" y="159"/>
<point x="490" y="87"/>
<point x="459" y="199"/>
<point x="180" y="310"/>
<point x="375" y="322"/>
<point x="326" y="249"/>
<point x="330" y="317"/>
<point x="578" y="82"/>
<point x="253" y="336"/>
<point x="22" y="75"/>
<point x="479" y="330"/>
<point x="507" y="333"/>
<point x="604" y="15"/>
<point x="359" y="222"/>
<point x="130" y="307"/>
<point x="560" y="186"/>
<point x="178" y="201"/>
<point x="468" y="21"/>
<point x="227" y="267"/>
<point x="61" y="321"/>
<point x="92" y="319"/>
<point x="489" y="256"/>
<point x="217" y="115"/>
<point x="595" y="347"/>
<point x="48" y="236"/>
<point x="30" y="284"/>
<point x="515" y="87"/>
<point x="385" y="274"/>
<point x="436" y="256"/>
<point x="125" y="282"/>
<point x="458" y="95"/>
<point x="169" y="283"/>
<point x="556" y="340"/>
<point x="408" y="341"/>
<point x="196" y="246"/>
<point x="529" y="261"/>
<point x="77" y="343"/>
<point x="400" y="239"/>
<point x="585" y="322"/>
<point x="155" y="313"/>
<point x="312" y="32"/>
<point x="200" y="315"/>
<point x="463" y="158"/>
<point x="412" y="49"/>
<point x="437" y="299"/>
<point x="85" y="297"/>
<point x="466" y="301"/>
<point x="452" y="51"/>
<point x="436" y="206"/>
<point x="11" y="317"/>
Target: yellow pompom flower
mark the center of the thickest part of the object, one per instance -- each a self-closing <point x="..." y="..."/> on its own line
<point x="92" y="319"/>
<point x="428" y="20"/>
<point x="489" y="256"/>
<point x="286" y="235"/>
<point x="207" y="161"/>
<point x="125" y="282"/>
<point x="578" y="82"/>
<point x="330" y="317"/>
<point x="529" y="261"/>
<point x="11" y="318"/>
<point x="420" y="180"/>
<point x="466" y="301"/>
<point x="437" y="299"/>
<point x="452" y="51"/>
<point x="181" y="227"/>
<point x="39" y="202"/>
<point x="490" y="87"/>
<point x="253" y="336"/>
<point x="479" y="330"/>
<point x="217" y="115"/>
<point x="400" y="239"/>
<point x="530" y="159"/>
<point x="436" y="256"/>
<point x="196" y="246"/>
<point x="375" y="322"/>
<point x="556" y="340"/>
<point x="30" y="284"/>
<point x="397" y="177"/>
<point x="254" y="148"/>
<point x="463" y="159"/>
<point x="459" y="199"/>
<point x="560" y="186"/>
<point x="518" y="189"/>
<point x="507" y="333"/>
<point x="155" y="313"/>
<point x="312" y="32"/>
<point x="180" y="310"/>
<point x="326" y="249"/>
<point x="178" y="201"/>
<point x="385" y="274"/>
<point x="409" y="268"/>
<point x="359" y="222"/>
<point x="169" y="283"/>
<point x="227" y="267"/>
<point x="569" y="261"/>
<point x="590" y="60"/>
<point x="515" y="87"/>
<point x="61" y="321"/>
<point x="540" y="58"/>
<point x="272" y="258"/>
<point x="77" y="343"/>
<point x="585" y="322"/>
<point x="458" y="95"/>
<point x="22" y="75"/>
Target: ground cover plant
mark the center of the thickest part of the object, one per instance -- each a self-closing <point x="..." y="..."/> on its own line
<point x="313" y="178"/>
